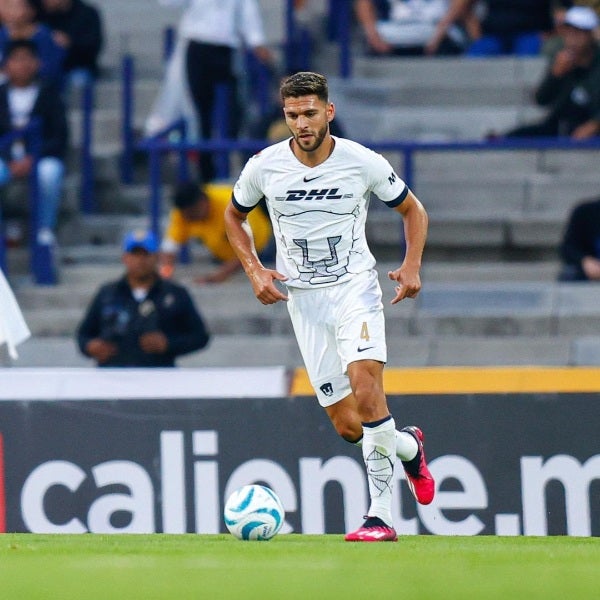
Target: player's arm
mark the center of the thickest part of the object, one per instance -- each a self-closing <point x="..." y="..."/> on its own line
<point x="366" y="15"/>
<point x="242" y="242"/>
<point x="415" y="221"/>
<point x="457" y="10"/>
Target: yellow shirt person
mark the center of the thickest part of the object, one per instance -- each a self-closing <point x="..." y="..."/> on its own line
<point x="198" y="214"/>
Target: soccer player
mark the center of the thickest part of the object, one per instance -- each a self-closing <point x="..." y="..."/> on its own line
<point x="317" y="189"/>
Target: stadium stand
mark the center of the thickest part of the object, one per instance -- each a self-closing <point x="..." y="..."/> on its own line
<point x="490" y="294"/>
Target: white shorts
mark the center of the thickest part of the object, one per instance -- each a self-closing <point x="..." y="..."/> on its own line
<point x="337" y="325"/>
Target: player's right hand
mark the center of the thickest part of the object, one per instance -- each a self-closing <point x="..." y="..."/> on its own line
<point x="263" y="284"/>
<point x="101" y="350"/>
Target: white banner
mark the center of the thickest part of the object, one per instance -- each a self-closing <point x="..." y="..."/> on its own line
<point x="123" y="384"/>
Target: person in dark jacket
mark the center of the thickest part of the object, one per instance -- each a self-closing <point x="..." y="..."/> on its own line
<point x="141" y="320"/>
<point x="77" y="27"/>
<point x="580" y="247"/>
<point x="571" y="86"/>
<point x="23" y="98"/>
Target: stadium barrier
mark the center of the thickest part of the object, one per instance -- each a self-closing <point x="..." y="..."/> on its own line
<point x="514" y="451"/>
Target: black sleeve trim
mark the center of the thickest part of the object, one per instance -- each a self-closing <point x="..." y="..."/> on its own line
<point x="397" y="201"/>
<point x="237" y="205"/>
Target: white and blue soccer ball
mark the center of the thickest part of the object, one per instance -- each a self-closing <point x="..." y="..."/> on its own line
<point x="254" y="512"/>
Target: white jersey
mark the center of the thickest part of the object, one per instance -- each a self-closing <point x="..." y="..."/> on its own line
<point x="319" y="213"/>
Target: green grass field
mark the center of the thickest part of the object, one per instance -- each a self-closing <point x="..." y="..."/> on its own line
<point x="90" y="567"/>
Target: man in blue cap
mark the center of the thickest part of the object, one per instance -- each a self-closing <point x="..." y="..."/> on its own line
<point x="141" y="320"/>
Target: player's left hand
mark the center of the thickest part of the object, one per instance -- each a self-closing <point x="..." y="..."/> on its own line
<point x="409" y="283"/>
<point x="263" y="284"/>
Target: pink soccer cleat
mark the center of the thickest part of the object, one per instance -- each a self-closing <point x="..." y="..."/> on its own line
<point x="373" y="530"/>
<point x="419" y="478"/>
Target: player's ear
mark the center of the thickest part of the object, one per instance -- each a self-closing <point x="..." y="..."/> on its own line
<point x="330" y="112"/>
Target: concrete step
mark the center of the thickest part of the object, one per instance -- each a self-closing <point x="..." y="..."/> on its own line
<point x="480" y="227"/>
<point x="455" y="71"/>
<point x="411" y="351"/>
<point x="431" y="123"/>
<point x="484" y="271"/>
<point x="475" y="308"/>
<point x="84" y="236"/>
<point x="429" y="92"/>
<point x="484" y="164"/>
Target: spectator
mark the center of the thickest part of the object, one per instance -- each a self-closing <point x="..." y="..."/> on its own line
<point x="559" y="13"/>
<point x="19" y="22"/>
<point x="505" y="26"/>
<point x="22" y="98"/>
<point x="77" y="27"/>
<point x="580" y="247"/>
<point x="198" y="213"/>
<point x="403" y="27"/>
<point x="571" y="85"/>
<point x="141" y="320"/>
<point x="213" y="31"/>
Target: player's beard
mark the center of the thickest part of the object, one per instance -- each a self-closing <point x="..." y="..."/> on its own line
<point x="319" y="136"/>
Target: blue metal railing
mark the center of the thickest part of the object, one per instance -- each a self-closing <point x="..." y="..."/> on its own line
<point x="157" y="146"/>
<point x="127" y="108"/>
<point x="88" y="202"/>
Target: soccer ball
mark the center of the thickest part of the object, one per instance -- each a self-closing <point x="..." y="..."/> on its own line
<point x="254" y="512"/>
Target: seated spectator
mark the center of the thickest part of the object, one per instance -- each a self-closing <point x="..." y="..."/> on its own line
<point x="505" y="26"/>
<point x="580" y="247"/>
<point x="198" y="213"/>
<point x="77" y="27"/>
<point x="560" y="11"/>
<point x="404" y="27"/>
<point x="571" y="85"/>
<point x="22" y="98"/>
<point x="19" y="22"/>
<point x="140" y="320"/>
<point x="553" y="43"/>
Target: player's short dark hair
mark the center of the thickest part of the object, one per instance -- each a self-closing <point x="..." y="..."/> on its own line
<point x="187" y="194"/>
<point x="14" y="45"/>
<point x="305" y="83"/>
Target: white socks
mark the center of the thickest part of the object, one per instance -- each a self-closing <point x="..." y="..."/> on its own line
<point x="379" y="454"/>
<point x="406" y="445"/>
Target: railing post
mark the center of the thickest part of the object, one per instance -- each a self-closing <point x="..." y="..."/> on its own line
<point x="41" y="256"/>
<point x="127" y="69"/>
<point x="290" y="33"/>
<point x="182" y="176"/>
<point x="408" y="173"/>
<point x="222" y="116"/>
<point x="183" y="170"/>
<point x="168" y="42"/>
<point x="88" y="205"/>
<point x="3" y="264"/>
<point x="259" y="82"/>
<point x="342" y="13"/>
<point x="155" y="189"/>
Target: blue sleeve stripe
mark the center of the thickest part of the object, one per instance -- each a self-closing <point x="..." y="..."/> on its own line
<point x="241" y="208"/>
<point x="397" y="201"/>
